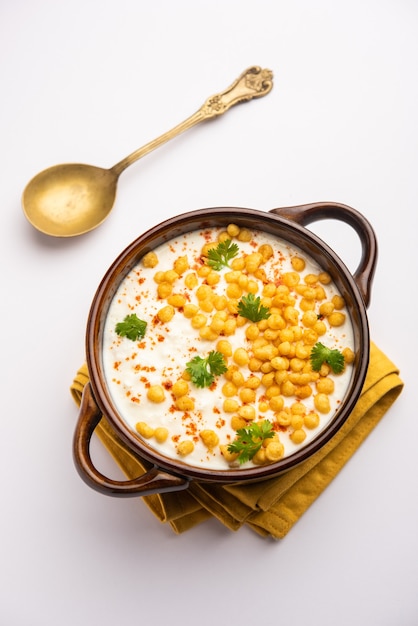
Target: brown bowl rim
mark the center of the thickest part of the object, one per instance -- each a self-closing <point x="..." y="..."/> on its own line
<point x="218" y="216"/>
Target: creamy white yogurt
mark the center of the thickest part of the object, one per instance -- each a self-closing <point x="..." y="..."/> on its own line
<point x="160" y="358"/>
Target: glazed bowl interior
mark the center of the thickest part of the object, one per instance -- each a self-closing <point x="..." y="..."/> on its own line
<point x="293" y="233"/>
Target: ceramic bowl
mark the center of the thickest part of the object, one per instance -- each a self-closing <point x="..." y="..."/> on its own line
<point x="167" y="474"/>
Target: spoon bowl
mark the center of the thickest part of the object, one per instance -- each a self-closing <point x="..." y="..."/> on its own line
<point x="70" y="199"/>
<point x="73" y="198"/>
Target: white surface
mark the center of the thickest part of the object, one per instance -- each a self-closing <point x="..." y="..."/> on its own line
<point x="91" y="81"/>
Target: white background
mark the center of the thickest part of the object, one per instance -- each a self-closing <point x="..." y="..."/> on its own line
<point x="91" y="81"/>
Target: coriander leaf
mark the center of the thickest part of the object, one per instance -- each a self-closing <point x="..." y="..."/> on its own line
<point x="225" y="251"/>
<point x="252" y="309"/>
<point x="203" y="370"/>
<point x="249" y="440"/>
<point x="132" y="327"/>
<point x="199" y="373"/>
<point x="216" y="362"/>
<point x="321" y="354"/>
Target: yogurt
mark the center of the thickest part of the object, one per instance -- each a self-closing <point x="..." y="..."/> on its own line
<point x="178" y="279"/>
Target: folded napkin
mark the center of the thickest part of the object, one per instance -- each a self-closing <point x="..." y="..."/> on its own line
<point x="270" y="507"/>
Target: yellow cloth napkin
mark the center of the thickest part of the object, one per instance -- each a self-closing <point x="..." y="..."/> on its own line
<point x="270" y="507"/>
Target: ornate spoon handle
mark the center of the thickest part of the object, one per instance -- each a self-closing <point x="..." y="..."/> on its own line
<point x="253" y="83"/>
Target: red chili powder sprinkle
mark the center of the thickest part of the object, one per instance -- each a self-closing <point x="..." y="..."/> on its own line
<point x="191" y="430"/>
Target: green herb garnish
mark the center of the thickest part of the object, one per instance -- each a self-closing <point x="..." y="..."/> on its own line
<point x="203" y="371"/>
<point x="132" y="327"/>
<point x="220" y="256"/>
<point x="249" y="440"/>
<point x="252" y="309"/>
<point x="321" y="354"/>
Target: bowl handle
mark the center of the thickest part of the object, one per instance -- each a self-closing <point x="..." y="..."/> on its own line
<point x="153" y="481"/>
<point x="306" y="213"/>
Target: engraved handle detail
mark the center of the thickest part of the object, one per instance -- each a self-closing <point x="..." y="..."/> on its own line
<point x="253" y="83"/>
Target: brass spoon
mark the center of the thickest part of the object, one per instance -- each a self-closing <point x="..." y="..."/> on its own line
<point x="72" y="199"/>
